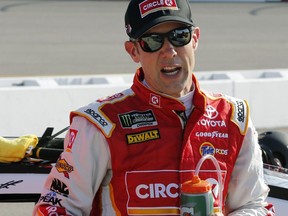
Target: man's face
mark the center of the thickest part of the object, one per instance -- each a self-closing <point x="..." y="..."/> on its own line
<point x="168" y="70"/>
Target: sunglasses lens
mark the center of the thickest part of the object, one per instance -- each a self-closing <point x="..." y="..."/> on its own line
<point x="151" y="43"/>
<point x="180" y="37"/>
<point x="177" y="37"/>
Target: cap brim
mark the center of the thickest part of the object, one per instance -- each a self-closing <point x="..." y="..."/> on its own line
<point x="158" y="21"/>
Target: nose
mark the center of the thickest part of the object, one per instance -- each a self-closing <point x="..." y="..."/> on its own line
<point x="168" y="50"/>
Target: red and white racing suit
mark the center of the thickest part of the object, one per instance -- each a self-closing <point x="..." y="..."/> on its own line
<point x="129" y="153"/>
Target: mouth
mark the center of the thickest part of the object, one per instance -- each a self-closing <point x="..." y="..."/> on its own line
<point x="170" y="71"/>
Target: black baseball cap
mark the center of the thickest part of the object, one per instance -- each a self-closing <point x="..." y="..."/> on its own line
<point x="141" y="15"/>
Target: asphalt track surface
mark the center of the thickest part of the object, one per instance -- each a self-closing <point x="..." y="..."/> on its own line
<point x="72" y="37"/>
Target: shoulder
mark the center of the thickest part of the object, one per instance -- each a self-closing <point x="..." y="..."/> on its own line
<point x="240" y="112"/>
<point x="94" y="112"/>
<point x="239" y="109"/>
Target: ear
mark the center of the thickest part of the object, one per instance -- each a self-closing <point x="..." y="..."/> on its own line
<point x="196" y="37"/>
<point x="132" y="50"/>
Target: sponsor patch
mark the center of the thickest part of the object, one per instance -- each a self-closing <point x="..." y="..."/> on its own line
<point x="59" y="187"/>
<point x="51" y="210"/>
<point x="72" y="137"/>
<point x="207" y="148"/>
<point x="151" y="6"/>
<point x="212" y="123"/>
<point x="64" y="167"/>
<point x="143" y="136"/>
<point x="97" y="117"/>
<point x="94" y="114"/>
<point x="155" y="100"/>
<point x="110" y="98"/>
<point x="211" y="112"/>
<point x="154" y="192"/>
<point x="51" y="198"/>
<point x="137" y="119"/>
<point x="240" y="111"/>
<point x="212" y="134"/>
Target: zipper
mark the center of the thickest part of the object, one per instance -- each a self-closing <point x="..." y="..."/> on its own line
<point x="183" y="118"/>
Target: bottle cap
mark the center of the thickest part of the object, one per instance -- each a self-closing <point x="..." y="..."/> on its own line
<point x="196" y="185"/>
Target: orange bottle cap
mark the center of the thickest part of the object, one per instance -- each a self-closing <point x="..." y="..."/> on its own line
<point x="196" y="185"/>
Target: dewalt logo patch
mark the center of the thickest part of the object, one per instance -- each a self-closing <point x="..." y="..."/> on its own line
<point x="143" y="136"/>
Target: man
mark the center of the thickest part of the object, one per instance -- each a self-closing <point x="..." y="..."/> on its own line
<point x="129" y="154"/>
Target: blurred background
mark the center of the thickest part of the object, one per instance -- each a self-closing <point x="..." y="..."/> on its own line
<point x="64" y="37"/>
<point x="81" y="37"/>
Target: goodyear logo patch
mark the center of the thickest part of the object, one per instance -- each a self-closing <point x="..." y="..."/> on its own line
<point x="143" y="136"/>
<point x="137" y="119"/>
<point x="207" y="148"/>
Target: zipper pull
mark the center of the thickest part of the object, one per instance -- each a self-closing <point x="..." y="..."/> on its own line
<point x="183" y="117"/>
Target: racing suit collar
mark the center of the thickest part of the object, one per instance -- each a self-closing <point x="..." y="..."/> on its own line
<point x="165" y="101"/>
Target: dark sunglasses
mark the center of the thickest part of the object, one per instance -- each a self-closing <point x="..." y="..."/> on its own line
<point x="153" y="42"/>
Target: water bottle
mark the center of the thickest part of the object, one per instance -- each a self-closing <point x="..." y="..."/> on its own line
<point x="196" y="198"/>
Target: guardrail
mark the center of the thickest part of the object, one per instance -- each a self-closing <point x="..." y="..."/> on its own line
<point x="31" y="104"/>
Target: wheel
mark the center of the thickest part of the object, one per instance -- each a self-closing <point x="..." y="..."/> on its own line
<point x="274" y="145"/>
